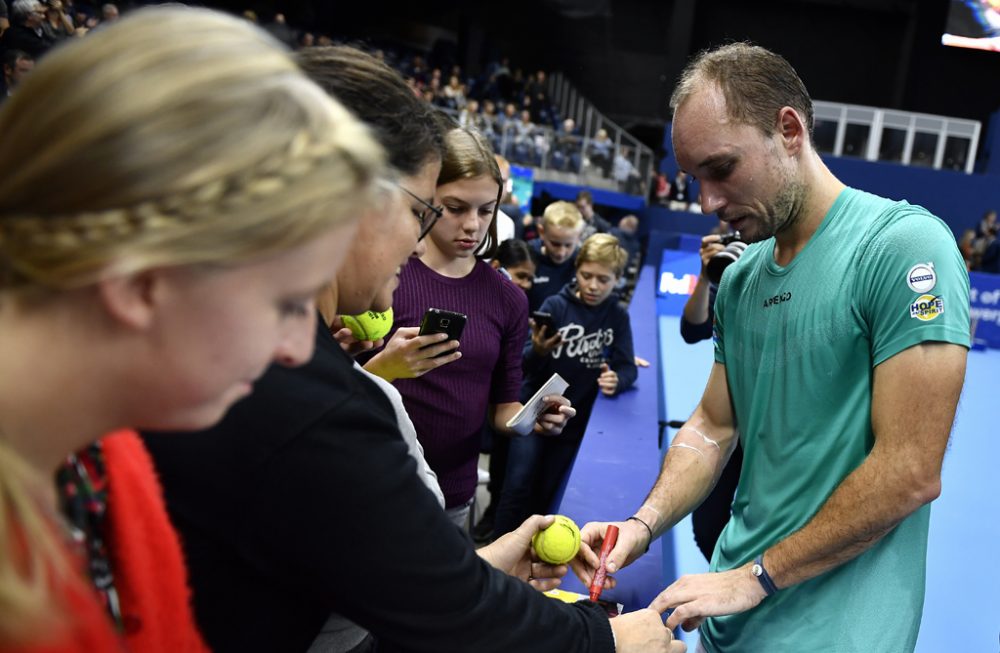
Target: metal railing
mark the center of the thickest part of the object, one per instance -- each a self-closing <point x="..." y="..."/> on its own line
<point x="620" y="157"/>
<point x="913" y="139"/>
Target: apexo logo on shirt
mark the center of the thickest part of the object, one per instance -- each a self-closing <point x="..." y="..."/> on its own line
<point x="921" y="278"/>
<point x="778" y="299"/>
<point x="927" y="308"/>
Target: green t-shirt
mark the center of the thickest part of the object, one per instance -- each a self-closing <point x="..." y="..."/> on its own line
<point x="800" y="344"/>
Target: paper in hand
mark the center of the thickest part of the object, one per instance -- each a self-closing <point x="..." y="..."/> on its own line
<point x="524" y="421"/>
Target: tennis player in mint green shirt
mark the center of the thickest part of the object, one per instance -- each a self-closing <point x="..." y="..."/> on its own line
<point x="840" y="343"/>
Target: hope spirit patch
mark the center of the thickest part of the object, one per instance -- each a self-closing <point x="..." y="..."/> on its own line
<point x="927" y="308"/>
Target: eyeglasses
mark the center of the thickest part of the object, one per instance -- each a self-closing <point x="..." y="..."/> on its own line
<point x="428" y="217"/>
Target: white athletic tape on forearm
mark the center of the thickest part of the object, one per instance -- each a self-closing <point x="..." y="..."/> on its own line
<point x="649" y="507"/>
<point x="704" y="437"/>
<point x="681" y="445"/>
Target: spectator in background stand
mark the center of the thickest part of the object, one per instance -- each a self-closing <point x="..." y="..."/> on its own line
<point x="470" y="118"/>
<point x="967" y="245"/>
<point x="680" y="193"/>
<point x="987" y="227"/>
<point x="661" y="189"/>
<point x="27" y="33"/>
<point x="490" y="113"/>
<point x="990" y="261"/>
<point x="524" y="139"/>
<point x="307" y="40"/>
<point x="109" y="13"/>
<point x="558" y="238"/>
<point x="627" y="233"/>
<point x="57" y="22"/>
<point x="600" y="152"/>
<point x="986" y="233"/>
<point x="455" y="93"/>
<point x="280" y="30"/>
<point x="508" y="117"/>
<point x="510" y="218"/>
<point x="566" y="155"/>
<point x="16" y="64"/>
<point x="624" y="172"/>
<point x="593" y="223"/>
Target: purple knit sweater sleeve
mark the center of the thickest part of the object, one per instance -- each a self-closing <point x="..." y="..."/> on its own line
<point x="449" y="405"/>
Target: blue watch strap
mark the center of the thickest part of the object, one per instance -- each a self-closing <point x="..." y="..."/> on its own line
<point x="765" y="578"/>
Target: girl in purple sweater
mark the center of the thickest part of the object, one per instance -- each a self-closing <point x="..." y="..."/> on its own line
<point x="450" y="397"/>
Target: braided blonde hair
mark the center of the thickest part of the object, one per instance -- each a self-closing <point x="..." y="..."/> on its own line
<point x="175" y="137"/>
<point x="186" y="136"/>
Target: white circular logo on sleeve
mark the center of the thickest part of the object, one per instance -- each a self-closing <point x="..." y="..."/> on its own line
<point x="921" y="278"/>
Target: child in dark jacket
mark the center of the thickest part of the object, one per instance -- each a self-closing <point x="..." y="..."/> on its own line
<point x="592" y="350"/>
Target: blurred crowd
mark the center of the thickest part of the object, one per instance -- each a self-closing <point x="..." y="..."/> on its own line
<point x="980" y="246"/>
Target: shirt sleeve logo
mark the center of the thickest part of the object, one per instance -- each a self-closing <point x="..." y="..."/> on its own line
<point x="927" y="308"/>
<point x="921" y="278"/>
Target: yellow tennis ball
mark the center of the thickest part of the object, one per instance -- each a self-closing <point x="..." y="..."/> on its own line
<point x="370" y="325"/>
<point x="558" y="543"/>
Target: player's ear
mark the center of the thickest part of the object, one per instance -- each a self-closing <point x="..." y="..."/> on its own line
<point x="791" y="130"/>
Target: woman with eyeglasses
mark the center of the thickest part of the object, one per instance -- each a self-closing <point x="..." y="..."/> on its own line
<point x="451" y="387"/>
<point x="305" y="500"/>
<point x="205" y="190"/>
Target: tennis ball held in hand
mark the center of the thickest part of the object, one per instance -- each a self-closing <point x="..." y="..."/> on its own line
<point x="370" y="325"/>
<point x="559" y="543"/>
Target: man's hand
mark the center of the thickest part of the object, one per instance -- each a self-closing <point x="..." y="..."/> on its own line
<point x="698" y="596"/>
<point x="542" y="340"/>
<point x="553" y="420"/>
<point x="641" y="362"/>
<point x="642" y="631"/>
<point x="513" y="555"/>
<point x="408" y="355"/>
<point x="608" y="380"/>
<point x="633" y="538"/>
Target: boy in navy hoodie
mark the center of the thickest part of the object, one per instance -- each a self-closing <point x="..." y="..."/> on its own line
<point x="592" y="350"/>
<point x="558" y="237"/>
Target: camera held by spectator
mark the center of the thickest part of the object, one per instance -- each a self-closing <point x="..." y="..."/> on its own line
<point x="718" y="263"/>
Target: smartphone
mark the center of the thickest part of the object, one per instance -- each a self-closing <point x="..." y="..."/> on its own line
<point x="545" y="320"/>
<point x="437" y="320"/>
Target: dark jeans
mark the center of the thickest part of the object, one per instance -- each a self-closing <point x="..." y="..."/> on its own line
<point x="536" y="467"/>
<point x="713" y="514"/>
<point x="498" y="472"/>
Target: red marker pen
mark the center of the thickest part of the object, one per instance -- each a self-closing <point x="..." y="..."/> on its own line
<point x="610" y="538"/>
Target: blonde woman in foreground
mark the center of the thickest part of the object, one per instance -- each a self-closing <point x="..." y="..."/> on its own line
<point x="173" y="192"/>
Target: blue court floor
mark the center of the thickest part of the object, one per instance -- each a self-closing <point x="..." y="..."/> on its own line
<point x="962" y="604"/>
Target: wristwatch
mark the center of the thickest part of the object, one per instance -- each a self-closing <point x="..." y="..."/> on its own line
<point x="758" y="571"/>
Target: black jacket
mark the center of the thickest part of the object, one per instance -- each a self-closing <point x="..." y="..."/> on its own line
<point x="304" y="501"/>
<point x="19" y="37"/>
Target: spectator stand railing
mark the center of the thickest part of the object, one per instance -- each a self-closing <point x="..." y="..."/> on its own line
<point x="891" y="136"/>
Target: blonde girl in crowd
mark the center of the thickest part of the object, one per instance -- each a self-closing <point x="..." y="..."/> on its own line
<point x="461" y="383"/>
<point x="173" y="193"/>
